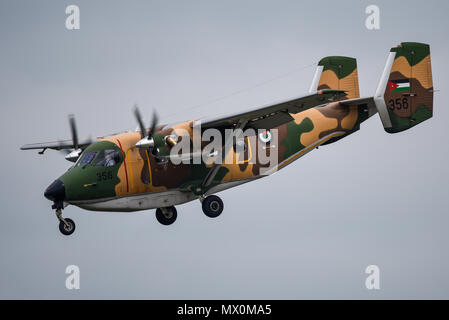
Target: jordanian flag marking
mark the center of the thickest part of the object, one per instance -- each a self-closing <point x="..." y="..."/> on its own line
<point x="399" y="85"/>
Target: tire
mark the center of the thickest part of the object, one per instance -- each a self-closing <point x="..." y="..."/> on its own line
<point x="67" y="230"/>
<point x="163" y="219"/>
<point x="212" y="206"/>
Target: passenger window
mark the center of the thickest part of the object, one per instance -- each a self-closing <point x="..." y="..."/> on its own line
<point x="107" y="158"/>
<point x="240" y="145"/>
<point x="86" y="159"/>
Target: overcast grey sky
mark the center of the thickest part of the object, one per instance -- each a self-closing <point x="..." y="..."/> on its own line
<point x="309" y="231"/>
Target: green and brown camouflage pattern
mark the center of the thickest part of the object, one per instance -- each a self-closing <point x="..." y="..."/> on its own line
<point x="408" y="108"/>
<point x="141" y="173"/>
<point x="340" y="73"/>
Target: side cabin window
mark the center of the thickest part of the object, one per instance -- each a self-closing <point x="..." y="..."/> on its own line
<point x="240" y="145"/>
<point x="107" y="158"/>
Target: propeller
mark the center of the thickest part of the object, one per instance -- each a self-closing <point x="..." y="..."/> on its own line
<point x="143" y="131"/>
<point x="73" y="154"/>
<point x="147" y="141"/>
<point x="73" y="130"/>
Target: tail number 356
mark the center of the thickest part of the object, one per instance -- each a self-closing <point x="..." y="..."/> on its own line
<point x="398" y="104"/>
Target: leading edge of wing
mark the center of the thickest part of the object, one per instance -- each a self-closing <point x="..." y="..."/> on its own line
<point x="56" y="145"/>
<point x="254" y="115"/>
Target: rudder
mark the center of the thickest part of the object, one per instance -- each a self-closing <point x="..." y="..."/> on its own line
<point x="404" y="96"/>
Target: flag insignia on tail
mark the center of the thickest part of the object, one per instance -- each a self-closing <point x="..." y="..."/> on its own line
<point x="399" y="85"/>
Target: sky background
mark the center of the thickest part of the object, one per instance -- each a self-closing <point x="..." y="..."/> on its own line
<point x="309" y="231"/>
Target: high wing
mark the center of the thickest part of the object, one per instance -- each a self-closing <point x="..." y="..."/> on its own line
<point x="266" y="117"/>
<point x="58" y="145"/>
<point x="74" y="143"/>
<point x="273" y="115"/>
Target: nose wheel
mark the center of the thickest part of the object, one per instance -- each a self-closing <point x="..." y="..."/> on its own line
<point x="66" y="225"/>
<point x="212" y="206"/>
<point x="166" y="215"/>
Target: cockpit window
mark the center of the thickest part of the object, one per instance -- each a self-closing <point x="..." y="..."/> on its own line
<point x="107" y="158"/>
<point x="86" y="159"/>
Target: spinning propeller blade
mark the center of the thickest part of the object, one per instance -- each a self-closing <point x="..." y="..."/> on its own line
<point x="73" y="154"/>
<point x="147" y="140"/>
<point x="73" y="130"/>
<point x="143" y="131"/>
<point x="153" y="124"/>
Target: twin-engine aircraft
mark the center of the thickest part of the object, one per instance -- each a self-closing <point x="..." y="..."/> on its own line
<point x="136" y="170"/>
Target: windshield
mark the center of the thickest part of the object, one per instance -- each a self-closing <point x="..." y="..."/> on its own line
<point x="86" y="159"/>
<point x="107" y="158"/>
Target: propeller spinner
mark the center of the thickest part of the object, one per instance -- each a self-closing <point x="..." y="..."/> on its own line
<point x="147" y="141"/>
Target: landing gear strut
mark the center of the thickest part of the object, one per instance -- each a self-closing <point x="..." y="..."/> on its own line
<point x="212" y="206"/>
<point x="66" y="225"/>
<point x="166" y="215"/>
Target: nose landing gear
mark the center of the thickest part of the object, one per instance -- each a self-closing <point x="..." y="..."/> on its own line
<point x="66" y="225"/>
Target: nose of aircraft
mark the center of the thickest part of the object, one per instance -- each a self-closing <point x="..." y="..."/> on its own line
<point x="56" y="191"/>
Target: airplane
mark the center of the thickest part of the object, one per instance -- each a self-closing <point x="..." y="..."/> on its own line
<point x="134" y="170"/>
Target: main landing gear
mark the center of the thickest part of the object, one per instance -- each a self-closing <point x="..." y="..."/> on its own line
<point x="212" y="206"/>
<point x="66" y="225"/>
<point x="166" y="215"/>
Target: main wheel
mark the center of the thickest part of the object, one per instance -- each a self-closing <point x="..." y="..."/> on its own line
<point x="67" y="228"/>
<point x="212" y="206"/>
<point x="166" y="218"/>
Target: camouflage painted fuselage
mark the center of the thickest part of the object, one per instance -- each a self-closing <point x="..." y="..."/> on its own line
<point x="141" y="182"/>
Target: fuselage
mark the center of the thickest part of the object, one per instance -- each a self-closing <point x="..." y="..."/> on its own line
<point x="137" y="180"/>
